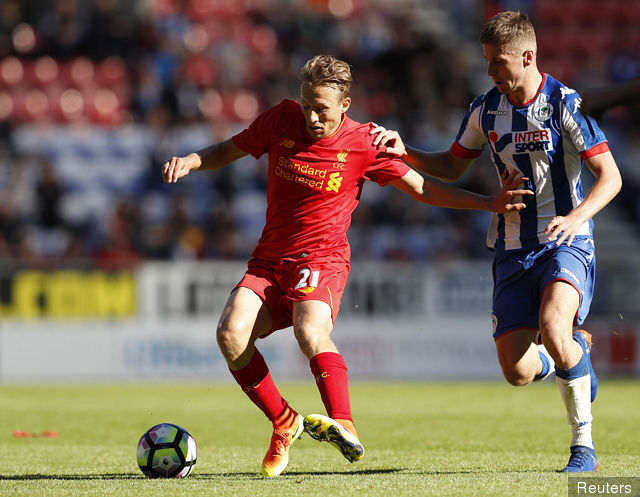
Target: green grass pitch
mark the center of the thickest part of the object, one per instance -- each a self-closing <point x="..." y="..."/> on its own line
<point x="421" y="439"/>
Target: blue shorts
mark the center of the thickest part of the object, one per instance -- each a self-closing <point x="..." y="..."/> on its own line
<point x="521" y="276"/>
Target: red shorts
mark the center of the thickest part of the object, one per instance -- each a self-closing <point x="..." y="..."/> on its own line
<point x="279" y="284"/>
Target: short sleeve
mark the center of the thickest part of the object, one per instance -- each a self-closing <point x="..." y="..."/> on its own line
<point x="383" y="168"/>
<point x="257" y="138"/>
<point x="585" y="134"/>
<point x="470" y="139"/>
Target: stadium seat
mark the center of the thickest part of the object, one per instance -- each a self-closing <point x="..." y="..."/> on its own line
<point x="11" y="71"/>
<point x="201" y="70"/>
<point x="45" y="71"/>
<point x="111" y="71"/>
<point x="6" y="105"/>
<point x="78" y="72"/>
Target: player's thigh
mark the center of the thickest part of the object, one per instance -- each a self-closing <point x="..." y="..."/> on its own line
<point x="312" y="326"/>
<point x="566" y="285"/>
<point x="245" y="317"/>
<point x="515" y="297"/>
<point x="559" y="306"/>
<point x="560" y="302"/>
<point x="518" y="355"/>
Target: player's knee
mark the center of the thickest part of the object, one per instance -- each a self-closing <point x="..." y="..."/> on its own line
<point x="518" y="376"/>
<point x="314" y="340"/>
<point x="559" y="345"/>
<point x="228" y="337"/>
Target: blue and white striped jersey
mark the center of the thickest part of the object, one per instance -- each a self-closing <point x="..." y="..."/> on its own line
<point x="545" y="139"/>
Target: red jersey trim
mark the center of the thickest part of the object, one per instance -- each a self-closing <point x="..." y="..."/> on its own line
<point x="544" y="78"/>
<point x="601" y="148"/>
<point x="464" y="153"/>
<point x="342" y="121"/>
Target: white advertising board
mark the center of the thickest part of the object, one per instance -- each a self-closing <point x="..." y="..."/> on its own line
<point x="396" y="321"/>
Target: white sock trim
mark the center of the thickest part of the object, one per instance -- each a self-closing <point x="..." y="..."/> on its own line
<point x="552" y="367"/>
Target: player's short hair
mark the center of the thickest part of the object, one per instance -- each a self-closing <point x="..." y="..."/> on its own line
<point x="325" y="70"/>
<point x="509" y="29"/>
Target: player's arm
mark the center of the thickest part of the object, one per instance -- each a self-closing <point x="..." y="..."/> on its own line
<point x="213" y="157"/>
<point x="442" y="165"/>
<point x="606" y="187"/>
<point x="434" y="192"/>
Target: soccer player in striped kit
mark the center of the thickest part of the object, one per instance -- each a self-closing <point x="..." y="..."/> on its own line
<point x="544" y="264"/>
<point x="319" y="160"/>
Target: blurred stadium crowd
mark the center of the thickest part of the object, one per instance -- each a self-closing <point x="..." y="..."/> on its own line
<point x="95" y="95"/>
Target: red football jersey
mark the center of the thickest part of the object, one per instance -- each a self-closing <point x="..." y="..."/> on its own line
<point x="313" y="185"/>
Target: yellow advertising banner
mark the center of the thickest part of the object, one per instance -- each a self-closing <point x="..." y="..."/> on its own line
<point x="69" y="294"/>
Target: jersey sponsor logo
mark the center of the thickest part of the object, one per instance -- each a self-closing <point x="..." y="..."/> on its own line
<point x="497" y="112"/>
<point x="335" y="180"/>
<point x="532" y="141"/>
<point x="303" y="174"/>
<point x="287" y="143"/>
<point x="499" y="143"/>
<point x="524" y="141"/>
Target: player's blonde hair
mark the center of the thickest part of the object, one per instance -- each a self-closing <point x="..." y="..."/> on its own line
<point x="510" y="30"/>
<point x="325" y="70"/>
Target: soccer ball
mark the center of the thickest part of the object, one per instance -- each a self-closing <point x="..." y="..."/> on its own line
<point x="166" y="451"/>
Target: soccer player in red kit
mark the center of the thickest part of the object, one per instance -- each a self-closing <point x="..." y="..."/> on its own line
<point x="319" y="160"/>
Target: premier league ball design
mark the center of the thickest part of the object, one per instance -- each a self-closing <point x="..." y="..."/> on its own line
<point x="166" y="451"/>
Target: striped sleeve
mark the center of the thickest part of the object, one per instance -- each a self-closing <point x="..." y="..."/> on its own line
<point x="585" y="133"/>
<point x="471" y="139"/>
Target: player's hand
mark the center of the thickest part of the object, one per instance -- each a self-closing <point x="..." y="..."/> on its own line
<point x="562" y="228"/>
<point x="387" y="139"/>
<point x="177" y="167"/>
<point x="503" y="201"/>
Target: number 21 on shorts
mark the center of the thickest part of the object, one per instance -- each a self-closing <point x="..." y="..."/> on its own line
<point x="304" y="280"/>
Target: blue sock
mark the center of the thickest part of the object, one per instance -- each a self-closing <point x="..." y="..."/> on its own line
<point x="578" y="371"/>
<point x="546" y="366"/>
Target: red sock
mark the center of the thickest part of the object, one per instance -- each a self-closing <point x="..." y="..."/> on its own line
<point x="332" y="379"/>
<point x="255" y="380"/>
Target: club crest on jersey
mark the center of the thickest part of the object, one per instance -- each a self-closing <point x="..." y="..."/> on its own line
<point x="543" y="111"/>
<point x="342" y="155"/>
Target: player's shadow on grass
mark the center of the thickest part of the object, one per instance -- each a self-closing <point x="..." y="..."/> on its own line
<point x="109" y="476"/>
<point x="204" y="476"/>
<point x="256" y="476"/>
<point x="295" y="474"/>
